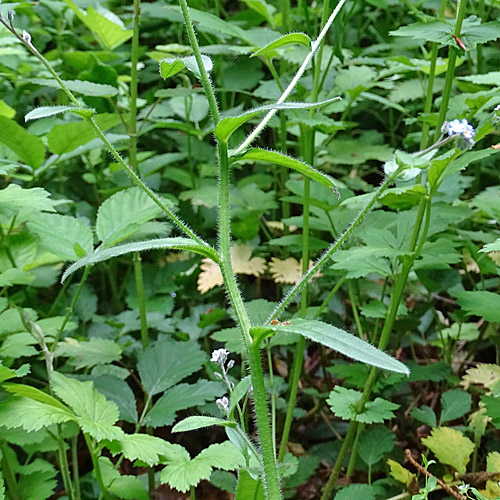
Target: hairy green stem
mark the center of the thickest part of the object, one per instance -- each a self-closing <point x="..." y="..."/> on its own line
<point x="450" y="72"/>
<point x="139" y="286"/>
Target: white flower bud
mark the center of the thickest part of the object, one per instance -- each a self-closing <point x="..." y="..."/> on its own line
<point x="26" y="37"/>
<point x="230" y="364"/>
<point x="218" y="375"/>
<point x="223" y="404"/>
<point x="219" y="356"/>
<point x="10" y="16"/>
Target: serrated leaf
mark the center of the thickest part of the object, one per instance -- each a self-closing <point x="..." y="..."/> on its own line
<point x="145" y="448"/>
<point x="46" y="111"/>
<point x="140" y="246"/>
<point x="200" y="422"/>
<point x="343" y="403"/>
<point x="283" y="41"/>
<point x="485" y="374"/>
<point x="343" y="342"/>
<point x="117" y="390"/>
<point x="88" y="353"/>
<point x="374" y="443"/>
<point x="38" y="485"/>
<point x="455" y="404"/>
<point x="36" y="394"/>
<point x="30" y="415"/>
<point x="181" y="397"/>
<point x="184" y="473"/>
<point x="225" y="456"/>
<point x="399" y="473"/>
<point x="125" y="487"/>
<point x="480" y="303"/>
<point x="79" y="86"/>
<point x="364" y="491"/>
<point x="123" y="214"/>
<point x="95" y="414"/>
<point x="22" y="203"/>
<point x="451" y="447"/>
<point x="492" y="405"/>
<point x="8" y="373"/>
<point x="28" y="147"/>
<point x="167" y="362"/>
<point x="493" y="462"/>
<point x="264" y="155"/>
<point x="491" y="247"/>
<point x="172" y="65"/>
<point x="70" y="231"/>
<point x="230" y="124"/>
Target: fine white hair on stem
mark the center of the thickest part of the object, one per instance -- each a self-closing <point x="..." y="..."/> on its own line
<point x="314" y="47"/>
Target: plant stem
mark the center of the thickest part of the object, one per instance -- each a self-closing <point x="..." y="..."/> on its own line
<point x="74" y="462"/>
<point x="430" y="84"/>
<point x="323" y="260"/>
<point x="97" y="467"/>
<point x="139" y="286"/>
<point x="133" y="88"/>
<point x="8" y="473"/>
<point x="450" y="73"/>
<point x="314" y="47"/>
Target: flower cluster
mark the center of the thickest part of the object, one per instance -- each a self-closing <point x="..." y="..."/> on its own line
<point x="462" y="129"/>
<point x="219" y="356"/>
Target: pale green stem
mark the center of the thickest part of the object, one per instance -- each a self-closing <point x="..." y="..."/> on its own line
<point x="315" y="46"/>
<point x="97" y="467"/>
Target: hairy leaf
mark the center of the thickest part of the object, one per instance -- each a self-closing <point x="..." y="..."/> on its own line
<point x="289" y="39"/>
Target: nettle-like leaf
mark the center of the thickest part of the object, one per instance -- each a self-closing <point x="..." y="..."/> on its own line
<point x="399" y="473"/>
<point x="343" y="403"/>
<point x="242" y="261"/>
<point x="71" y="240"/>
<point x="177" y="243"/>
<point x="493" y="462"/>
<point x="484" y="374"/>
<point x="340" y="341"/>
<point x="491" y="247"/>
<point x="125" y="487"/>
<point x="455" y="404"/>
<point x="451" y="447"/>
<point x="171" y="66"/>
<point x="117" y="390"/>
<point x="269" y="50"/>
<point x="229" y="124"/>
<point x="8" y="373"/>
<point x="86" y="354"/>
<point x="267" y="156"/>
<point x="182" y="472"/>
<point x="22" y="203"/>
<point x="167" y="362"/>
<point x="480" y="303"/>
<point x="181" y="397"/>
<point x="374" y="443"/>
<point x="143" y="447"/>
<point x="364" y="491"/>
<point x="31" y="415"/>
<point x="38" y="480"/>
<point x="95" y="414"/>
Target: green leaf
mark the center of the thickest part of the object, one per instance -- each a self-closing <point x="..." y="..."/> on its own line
<point x="264" y="155"/>
<point x="90" y="89"/>
<point x="39" y="484"/>
<point x="117" y="390"/>
<point x="126" y="487"/>
<point x="343" y="342"/>
<point x="181" y="397"/>
<point x="352" y="152"/>
<point x="455" y="404"/>
<point x="140" y="246"/>
<point x="22" y="203"/>
<point x="15" y="276"/>
<point x="492" y="405"/>
<point x="7" y="373"/>
<point x="480" y="303"/>
<point x="230" y="124"/>
<point x="167" y="362"/>
<point x="225" y="456"/>
<point x="239" y="391"/>
<point x="249" y="488"/>
<point x="343" y="403"/>
<point x="491" y="78"/>
<point x="374" y="443"/>
<point x="88" y="353"/>
<point x="30" y="415"/>
<point x="451" y="447"/>
<point x="171" y="66"/>
<point x="110" y="33"/>
<point x="289" y="39"/>
<point x="425" y="414"/>
<point x="263" y="8"/>
<point x="66" y="137"/>
<point x="29" y="148"/>
<point x="95" y="414"/>
<point x="200" y="422"/>
<point x="61" y="242"/>
<point x="45" y="111"/>
<point x="364" y="491"/>
<point x="143" y="447"/>
<point x="35" y="394"/>
<point x="399" y="473"/>
<point x="123" y="214"/>
<point x="491" y="247"/>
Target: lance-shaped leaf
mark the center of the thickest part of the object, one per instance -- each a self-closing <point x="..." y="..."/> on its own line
<point x="139" y="246"/>
<point x="46" y="111"/>
<point x="172" y="65"/>
<point x="338" y="340"/>
<point x="199" y="422"/>
<point x="229" y="124"/>
<point x="288" y="39"/>
<point x="265" y="155"/>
